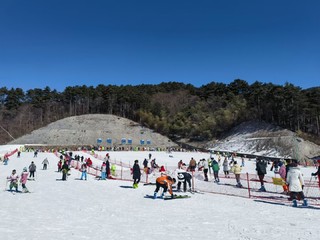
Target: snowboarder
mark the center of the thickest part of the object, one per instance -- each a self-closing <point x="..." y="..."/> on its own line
<point x="13" y="179"/>
<point x="32" y="170"/>
<point x="166" y="183"/>
<point x="261" y="168"/>
<point x="296" y="184"/>
<point x="136" y="174"/>
<point x="45" y="163"/>
<point x="23" y="180"/>
<point x="184" y="177"/>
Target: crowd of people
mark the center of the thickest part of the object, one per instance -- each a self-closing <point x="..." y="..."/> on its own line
<point x="293" y="182"/>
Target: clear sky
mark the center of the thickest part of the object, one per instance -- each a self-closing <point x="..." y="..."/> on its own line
<point x="59" y="43"/>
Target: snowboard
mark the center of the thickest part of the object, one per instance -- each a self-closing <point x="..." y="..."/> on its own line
<point x="176" y="197"/>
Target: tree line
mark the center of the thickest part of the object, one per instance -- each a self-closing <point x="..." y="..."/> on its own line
<point x="174" y="109"/>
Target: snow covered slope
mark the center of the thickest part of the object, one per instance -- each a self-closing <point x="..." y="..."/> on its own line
<point x="74" y="210"/>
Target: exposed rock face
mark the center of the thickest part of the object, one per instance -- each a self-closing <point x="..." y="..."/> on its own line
<point x="86" y="129"/>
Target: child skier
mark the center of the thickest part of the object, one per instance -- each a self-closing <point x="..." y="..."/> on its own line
<point x="13" y="179"/>
<point x="23" y="180"/>
<point x="103" y="171"/>
<point x="215" y="168"/>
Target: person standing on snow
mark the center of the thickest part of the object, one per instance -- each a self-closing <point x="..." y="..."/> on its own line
<point x="236" y="169"/>
<point x="215" y="168"/>
<point x="184" y="177"/>
<point x="83" y="171"/>
<point x="261" y="168"/>
<point x="23" y="180"/>
<point x="205" y="167"/>
<point x="192" y="165"/>
<point x="103" y="171"/>
<point x="45" y="163"/>
<point x="136" y="174"/>
<point x="32" y="170"/>
<point x="226" y="167"/>
<point x="317" y="173"/>
<point x="166" y="183"/>
<point x="296" y="184"/>
<point x="65" y="169"/>
<point x="13" y="179"/>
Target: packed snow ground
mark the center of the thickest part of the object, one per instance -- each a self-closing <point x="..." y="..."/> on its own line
<point x="94" y="209"/>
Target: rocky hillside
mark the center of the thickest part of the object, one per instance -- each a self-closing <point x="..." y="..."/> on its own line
<point x="86" y="129"/>
<point x="264" y="139"/>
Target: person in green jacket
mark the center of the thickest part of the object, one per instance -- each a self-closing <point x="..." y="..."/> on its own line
<point x="215" y="168"/>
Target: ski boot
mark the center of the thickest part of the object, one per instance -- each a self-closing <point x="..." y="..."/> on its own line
<point x="262" y="189"/>
<point x="154" y="195"/>
<point x="294" y="203"/>
<point x="305" y="203"/>
<point x="162" y="196"/>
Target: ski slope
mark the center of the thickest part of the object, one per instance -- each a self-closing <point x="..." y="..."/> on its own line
<point x="93" y="209"/>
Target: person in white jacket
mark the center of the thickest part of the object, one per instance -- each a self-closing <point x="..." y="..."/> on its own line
<point x="296" y="184"/>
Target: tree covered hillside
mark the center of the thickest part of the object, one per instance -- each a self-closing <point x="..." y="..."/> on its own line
<point x="174" y="109"/>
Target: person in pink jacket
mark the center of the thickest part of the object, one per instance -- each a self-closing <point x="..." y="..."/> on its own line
<point x="23" y="180"/>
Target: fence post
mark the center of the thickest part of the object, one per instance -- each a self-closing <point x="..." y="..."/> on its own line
<point x="248" y="185"/>
<point x="192" y="180"/>
<point x="121" y="169"/>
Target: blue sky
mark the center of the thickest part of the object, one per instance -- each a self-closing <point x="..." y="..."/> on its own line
<point x="66" y="43"/>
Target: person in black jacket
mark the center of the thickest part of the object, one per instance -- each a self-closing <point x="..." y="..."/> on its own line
<point x="317" y="173"/>
<point x="136" y="174"/>
<point x="261" y="168"/>
<point x="65" y="169"/>
<point x="184" y="177"/>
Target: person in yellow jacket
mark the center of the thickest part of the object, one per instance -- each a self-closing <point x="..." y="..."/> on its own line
<point x="166" y="183"/>
<point x="236" y="169"/>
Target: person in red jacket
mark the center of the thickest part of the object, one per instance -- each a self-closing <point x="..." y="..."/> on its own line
<point x="166" y="183"/>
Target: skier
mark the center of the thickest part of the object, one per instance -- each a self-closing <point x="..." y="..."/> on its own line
<point x="296" y="184"/>
<point x="215" y="168"/>
<point x="236" y="169"/>
<point x="83" y="171"/>
<point x="107" y="168"/>
<point x="13" y="179"/>
<point x="32" y="170"/>
<point x="45" y="163"/>
<point x="145" y="165"/>
<point x="282" y="173"/>
<point x="23" y="180"/>
<point x="261" y="168"/>
<point x="166" y="183"/>
<point x="5" y="160"/>
<point x="184" y="177"/>
<point x="136" y="174"/>
<point x="35" y="153"/>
